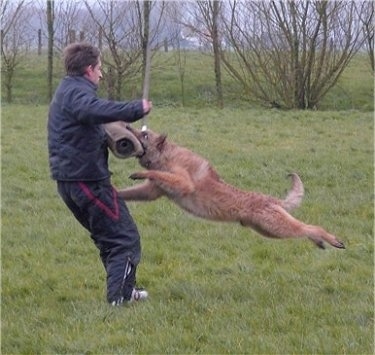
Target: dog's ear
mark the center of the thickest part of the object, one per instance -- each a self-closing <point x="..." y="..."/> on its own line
<point x="161" y="142"/>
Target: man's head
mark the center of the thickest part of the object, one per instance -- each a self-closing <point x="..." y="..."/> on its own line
<point x="82" y="59"/>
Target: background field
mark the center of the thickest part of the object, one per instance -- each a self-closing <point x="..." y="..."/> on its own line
<point x="354" y="89"/>
<point x="214" y="288"/>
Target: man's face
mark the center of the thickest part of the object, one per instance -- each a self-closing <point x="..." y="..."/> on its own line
<point x="94" y="73"/>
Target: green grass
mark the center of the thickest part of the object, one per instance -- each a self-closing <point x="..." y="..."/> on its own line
<point x="214" y="288"/>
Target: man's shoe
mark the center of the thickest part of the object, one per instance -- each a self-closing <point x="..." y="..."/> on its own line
<point x="138" y="294"/>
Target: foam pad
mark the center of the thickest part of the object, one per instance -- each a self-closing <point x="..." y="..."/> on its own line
<point x="121" y="141"/>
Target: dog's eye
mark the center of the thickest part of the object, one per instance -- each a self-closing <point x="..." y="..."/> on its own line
<point x="144" y="135"/>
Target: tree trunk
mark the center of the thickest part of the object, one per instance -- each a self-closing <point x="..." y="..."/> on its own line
<point x="217" y="49"/>
<point x="8" y="82"/>
<point x="50" y="19"/>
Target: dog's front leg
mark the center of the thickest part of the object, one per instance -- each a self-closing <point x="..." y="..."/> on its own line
<point x="172" y="183"/>
<point x="147" y="191"/>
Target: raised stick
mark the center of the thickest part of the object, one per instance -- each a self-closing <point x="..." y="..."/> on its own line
<point x="146" y="80"/>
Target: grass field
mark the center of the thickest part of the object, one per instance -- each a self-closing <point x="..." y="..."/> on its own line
<point x="214" y="288"/>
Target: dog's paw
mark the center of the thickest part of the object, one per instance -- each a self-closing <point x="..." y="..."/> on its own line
<point x="339" y="244"/>
<point x="137" y="176"/>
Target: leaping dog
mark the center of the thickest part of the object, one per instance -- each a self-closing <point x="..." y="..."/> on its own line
<point x="193" y="184"/>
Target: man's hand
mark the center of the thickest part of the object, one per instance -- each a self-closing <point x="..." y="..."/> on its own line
<point x="147" y="106"/>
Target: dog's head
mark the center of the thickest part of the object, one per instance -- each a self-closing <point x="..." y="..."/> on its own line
<point x="153" y="145"/>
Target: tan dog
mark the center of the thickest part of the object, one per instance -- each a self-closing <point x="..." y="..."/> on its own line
<point x="193" y="184"/>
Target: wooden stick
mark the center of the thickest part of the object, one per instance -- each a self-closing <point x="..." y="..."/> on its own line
<point x="146" y="80"/>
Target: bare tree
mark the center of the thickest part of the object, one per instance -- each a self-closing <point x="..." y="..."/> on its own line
<point x="68" y="18"/>
<point x="180" y="60"/>
<point x="13" y="41"/>
<point x="366" y="11"/>
<point x="68" y="21"/>
<point x="125" y="28"/>
<point x="203" y="19"/>
<point x="119" y="26"/>
<point x="149" y="31"/>
<point x="290" y="54"/>
<point x="174" y="11"/>
<point x="211" y="13"/>
<point x="55" y="21"/>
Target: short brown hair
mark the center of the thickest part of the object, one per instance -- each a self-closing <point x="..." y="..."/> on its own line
<point x="78" y="56"/>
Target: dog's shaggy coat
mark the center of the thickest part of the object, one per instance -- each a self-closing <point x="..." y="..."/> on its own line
<point x="193" y="184"/>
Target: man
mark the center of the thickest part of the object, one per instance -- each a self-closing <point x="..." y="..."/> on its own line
<point x="78" y="158"/>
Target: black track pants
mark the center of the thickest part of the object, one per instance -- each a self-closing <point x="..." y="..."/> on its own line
<point x="98" y="208"/>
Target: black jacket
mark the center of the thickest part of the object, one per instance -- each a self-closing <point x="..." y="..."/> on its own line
<point x="77" y="143"/>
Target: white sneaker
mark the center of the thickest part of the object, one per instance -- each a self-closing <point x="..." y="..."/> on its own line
<point x="138" y="294"/>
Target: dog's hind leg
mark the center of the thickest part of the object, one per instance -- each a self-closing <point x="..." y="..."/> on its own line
<point x="277" y="223"/>
<point x="318" y="235"/>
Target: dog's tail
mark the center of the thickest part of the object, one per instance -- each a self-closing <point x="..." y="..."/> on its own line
<point x="294" y="197"/>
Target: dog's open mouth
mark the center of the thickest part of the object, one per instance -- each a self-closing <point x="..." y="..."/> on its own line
<point x="141" y="155"/>
<point x="144" y="136"/>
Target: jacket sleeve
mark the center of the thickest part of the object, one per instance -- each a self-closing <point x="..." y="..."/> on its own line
<point x="89" y="109"/>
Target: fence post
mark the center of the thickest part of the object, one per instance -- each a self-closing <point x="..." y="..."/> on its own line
<point x="72" y="36"/>
<point x="39" y="42"/>
<point x="100" y="35"/>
